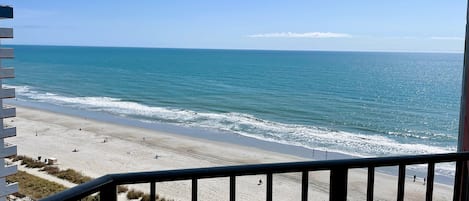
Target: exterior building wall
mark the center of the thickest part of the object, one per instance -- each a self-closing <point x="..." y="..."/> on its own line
<point x="6" y="150"/>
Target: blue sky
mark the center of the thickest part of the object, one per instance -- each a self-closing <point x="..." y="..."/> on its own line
<point x="364" y="25"/>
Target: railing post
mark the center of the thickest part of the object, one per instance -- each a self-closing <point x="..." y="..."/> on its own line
<point x="338" y="184"/>
<point x="108" y="192"/>
<point x="232" y="188"/>
<point x="430" y="179"/>
<point x="401" y="183"/>
<point x="194" y="189"/>
<point x="304" y="185"/>
<point x="461" y="178"/>
<point x="152" y="191"/>
<point x="460" y="182"/>
<point x="371" y="184"/>
<point x="269" y="187"/>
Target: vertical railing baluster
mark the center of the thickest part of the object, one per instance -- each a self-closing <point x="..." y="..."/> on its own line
<point x="108" y="192"/>
<point x="232" y="188"/>
<point x="430" y="178"/>
<point x="401" y="183"/>
<point x="304" y="186"/>
<point x="457" y="181"/>
<point x="371" y="184"/>
<point x="338" y="184"/>
<point x="460" y="181"/>
<point x="269" y="187"/>
<point x="194" y="189"/>
<point x="152" y="191"/>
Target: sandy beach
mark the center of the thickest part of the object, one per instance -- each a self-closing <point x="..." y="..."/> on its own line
<point x="104" y="148"/>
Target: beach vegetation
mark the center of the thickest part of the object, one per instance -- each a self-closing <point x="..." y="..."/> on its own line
<point x="29" y="162"/>
<point x="33" y="186"/>
<point x="52" y="170"/>
<point x="68" y="174"/>
<point x="134" y="194"/>
<point x="122" y="189"/>
<point x="146" y="197"/>
<point x="72" y="176"/>
<point x="91" y="198"/>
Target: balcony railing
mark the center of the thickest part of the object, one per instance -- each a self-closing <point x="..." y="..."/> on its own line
<point x="107" y="185"/>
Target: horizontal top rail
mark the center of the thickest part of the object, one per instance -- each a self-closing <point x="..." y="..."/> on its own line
<point x="240" y="170"/>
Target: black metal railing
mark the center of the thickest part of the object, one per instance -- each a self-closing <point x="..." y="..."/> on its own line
<point x="107" y="185"/>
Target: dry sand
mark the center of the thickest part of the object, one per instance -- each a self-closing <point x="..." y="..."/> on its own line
<point x="131" y="149"/>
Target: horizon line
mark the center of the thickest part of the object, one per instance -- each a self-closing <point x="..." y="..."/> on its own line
<point x="246" y="49"/>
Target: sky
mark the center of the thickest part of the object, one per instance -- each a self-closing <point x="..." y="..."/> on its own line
<point x="344" y="25"/>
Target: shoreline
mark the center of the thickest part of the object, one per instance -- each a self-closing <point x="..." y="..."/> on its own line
<point x="201" y="133"/>
<point x="104" y="148"/>
<point x="211" y="135"/>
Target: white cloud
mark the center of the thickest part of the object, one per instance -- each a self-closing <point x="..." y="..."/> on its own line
<point x="301" y="35"/>
<point x="446" y="38"/>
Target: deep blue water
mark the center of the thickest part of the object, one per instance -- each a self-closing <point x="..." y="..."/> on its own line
<point x="358" y="103"/>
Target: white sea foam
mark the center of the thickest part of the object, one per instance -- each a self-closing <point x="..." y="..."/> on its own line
<point x="244" y="124"/>
<point x="19" y="89"/>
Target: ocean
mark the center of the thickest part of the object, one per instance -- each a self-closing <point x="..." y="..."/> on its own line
<point x="355" y="103"/>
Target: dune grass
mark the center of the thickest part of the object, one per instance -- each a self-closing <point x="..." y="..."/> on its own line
<point x="34" y="187"/>
<point x="29" y="162"/>
<point x="72" y="176"/>
<point x="68" y="174"/>
<point x="135" y="194"/>
<point x="122" y="189"/>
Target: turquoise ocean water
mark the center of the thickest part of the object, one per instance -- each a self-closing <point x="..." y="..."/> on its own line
<point x="357" y="103"/>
